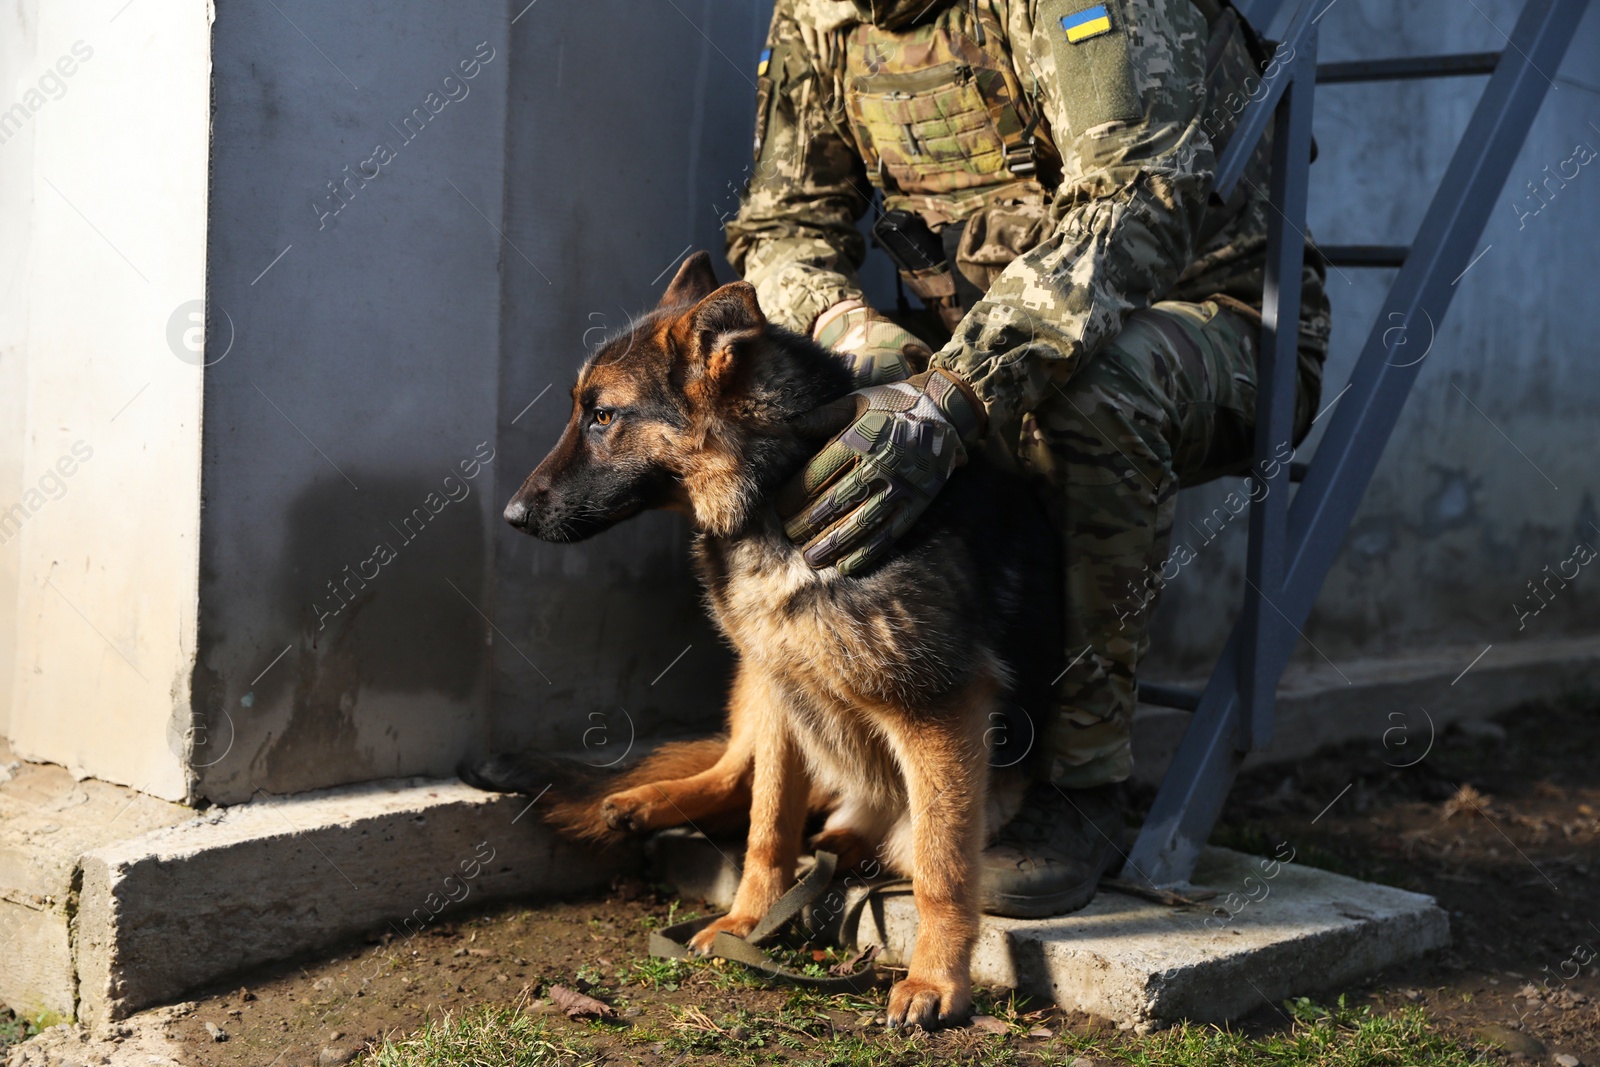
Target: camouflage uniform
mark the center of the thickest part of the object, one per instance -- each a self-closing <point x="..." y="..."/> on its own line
<point x="1073" y="144"/>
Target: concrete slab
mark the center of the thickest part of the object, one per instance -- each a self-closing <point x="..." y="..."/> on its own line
<point x="174" y="909"/>
<point x="47" y="820"/>
<point x="1292" y="930"/>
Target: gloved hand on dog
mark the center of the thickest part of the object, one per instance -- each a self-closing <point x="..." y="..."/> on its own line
<point x="868" y="485"/>
<point x="876" y="350"/>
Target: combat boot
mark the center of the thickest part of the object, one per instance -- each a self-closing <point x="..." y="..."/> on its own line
<point x="1050" y="857"/>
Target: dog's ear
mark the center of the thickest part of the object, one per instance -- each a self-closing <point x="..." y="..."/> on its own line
<point x="720" y="323"/>
<point x="693" y="282"/>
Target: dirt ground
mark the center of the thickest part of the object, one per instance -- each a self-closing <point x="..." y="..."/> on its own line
<point x="1501" y="823"/>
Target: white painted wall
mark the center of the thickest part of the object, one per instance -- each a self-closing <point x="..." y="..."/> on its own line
<point x="110" y="220"/>
<point x="17" y="73"/>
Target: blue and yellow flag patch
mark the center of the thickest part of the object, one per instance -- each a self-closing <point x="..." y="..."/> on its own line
<point x="763" y="63"/>
<point x="1090" y="22"/>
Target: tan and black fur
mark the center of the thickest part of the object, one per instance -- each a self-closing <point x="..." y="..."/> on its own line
<point x="879" y="698"/>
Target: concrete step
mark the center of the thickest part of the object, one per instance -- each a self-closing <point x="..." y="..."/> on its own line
<point x="111" y="900"/>
<point x="48" y="819"/>
<point x="1273" y="930"/>
<point x="165" y="912"/>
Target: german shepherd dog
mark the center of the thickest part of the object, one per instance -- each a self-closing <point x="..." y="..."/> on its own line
<point x="880" y="698"/>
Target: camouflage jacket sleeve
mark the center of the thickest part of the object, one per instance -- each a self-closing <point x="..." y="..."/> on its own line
<point x="1124" y="107"/>
<point x="795" y="237"/>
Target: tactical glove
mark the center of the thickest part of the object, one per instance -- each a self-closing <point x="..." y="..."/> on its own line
<point x="876" y="350"/>
<point x="874" y="479"/>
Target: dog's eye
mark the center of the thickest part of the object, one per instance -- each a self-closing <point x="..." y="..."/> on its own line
<point x="603" y="417"/>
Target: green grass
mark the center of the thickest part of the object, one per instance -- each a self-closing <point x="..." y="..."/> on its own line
<point x="487" y="1037"/>
<point x="14" y="1029"/>
<point x="654" y="972"/>
<point x="1337" y="1036"/>
<point x="859" y="1051"/>
<point x="1319" y="1037"/>
<point x="594" y="977"/>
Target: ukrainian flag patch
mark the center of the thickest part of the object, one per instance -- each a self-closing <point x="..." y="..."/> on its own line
<point x="763" y="62"/>
<point x="1090" y="22"/>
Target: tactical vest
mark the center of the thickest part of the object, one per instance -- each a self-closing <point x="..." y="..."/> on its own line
<point x="952" y="133"/>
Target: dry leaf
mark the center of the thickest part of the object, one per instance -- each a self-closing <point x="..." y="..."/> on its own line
<point x="862" y="959"/>
<point x="988" y="1024"/>
<point x="577" y="1004"/>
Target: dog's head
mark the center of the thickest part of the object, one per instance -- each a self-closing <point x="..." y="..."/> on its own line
<point x="664" y="415"/>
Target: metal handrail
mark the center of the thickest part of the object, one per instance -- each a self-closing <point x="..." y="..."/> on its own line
<point x="1293" y="545"/>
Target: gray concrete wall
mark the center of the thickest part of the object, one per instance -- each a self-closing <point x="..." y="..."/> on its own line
<point x="1488" y="478"/>
<point x="627" y="141"/>
<point x="362" y="376"/>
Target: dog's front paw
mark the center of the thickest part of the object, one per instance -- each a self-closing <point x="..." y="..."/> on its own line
<point x="929" y="1004"/>
<point x="737" y="925"/>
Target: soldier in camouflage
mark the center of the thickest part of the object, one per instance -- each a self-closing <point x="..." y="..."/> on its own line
<point x="1053" y="160"/>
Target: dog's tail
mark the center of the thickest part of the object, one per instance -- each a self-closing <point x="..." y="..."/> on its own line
<point x="570" y="792"/>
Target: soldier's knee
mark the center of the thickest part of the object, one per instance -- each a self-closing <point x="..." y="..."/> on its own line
<point x="1123" y="380"/>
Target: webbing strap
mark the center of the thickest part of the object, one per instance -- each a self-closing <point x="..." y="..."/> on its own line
<point x="673" y="941"/>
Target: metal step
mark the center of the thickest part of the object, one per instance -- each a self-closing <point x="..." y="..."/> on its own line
<point x="1168" y="696"/>
<point x="1364" y="255"/>
<point x="1401" y="68"/>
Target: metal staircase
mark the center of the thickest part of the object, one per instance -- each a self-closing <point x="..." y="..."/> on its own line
<point x="1293" y="543"/>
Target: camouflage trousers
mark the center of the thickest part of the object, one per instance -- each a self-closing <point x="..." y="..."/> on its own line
<point x="1168" y="403"/>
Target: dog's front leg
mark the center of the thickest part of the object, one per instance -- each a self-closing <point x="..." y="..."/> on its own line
<point x="778" y="793"/>
<point x="946" y="779"/>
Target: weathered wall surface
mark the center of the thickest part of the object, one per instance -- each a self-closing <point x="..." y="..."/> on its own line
<point x="350" y="448"/>
<point x="106" y="134"/>
<point x="1488" y="478"/>
<point x="628" y="136"/>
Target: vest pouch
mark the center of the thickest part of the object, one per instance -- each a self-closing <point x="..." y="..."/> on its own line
<point x="928" y="131"/>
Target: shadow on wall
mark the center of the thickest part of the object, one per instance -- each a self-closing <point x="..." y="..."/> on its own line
<point x="377" y="604"/>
